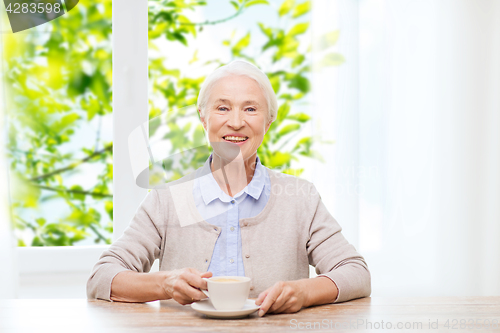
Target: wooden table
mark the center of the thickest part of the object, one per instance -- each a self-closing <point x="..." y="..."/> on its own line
<point x="450" y="314"/>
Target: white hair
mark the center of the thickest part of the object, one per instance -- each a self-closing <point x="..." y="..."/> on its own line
<point x="239" y="67"/>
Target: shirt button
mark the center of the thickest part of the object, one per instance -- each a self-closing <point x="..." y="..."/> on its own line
<point x="247" y="256"/>
<point x="232" y="201"/>
<point x="232" y="228"/>
<point x="231" y="261"/>
<point x="206" y="260"/>
<point x="252" y="288"/>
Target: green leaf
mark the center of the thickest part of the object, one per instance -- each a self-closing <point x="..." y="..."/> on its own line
<point x="298" y="60"/>
<point x="235" y="5"/>
<point x="256" y="2"/>
<point x="153" y="125"/>
<point x="241" y="44"/>
<point x="293" y="172"/>
<point x="92" y="107"/>
<point x="275" y="83"/>
<point x="285" y="7"/>
<point x="302" y="9"/>
<point x="195" y="57"/>
<point x="288" y="129"/>
<point x="300" y="117"/>
<point x="176" y="35"/>
<point x="278" y="159"/>
<point x="158" y="30"/>
<point x="77" y="196"/>
<point x="65" y="121"/>
<point x="108" y="206"/>
<point x="40" y="221"/>
<point x="331" y="59"/>
<point x="266" y="30"/>
<point x="304" y="143"/>
<point x="327" y="40"/>
<point x="298" y="29"/>
<point x="283" y="111"/>
<point x="300" y="82"/>
<point x="79" y="83"/>
<point x="314" y="154"/>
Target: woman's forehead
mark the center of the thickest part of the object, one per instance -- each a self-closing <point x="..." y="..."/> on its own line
<point x="236" y="88"/>
<point x="244" y="101"/>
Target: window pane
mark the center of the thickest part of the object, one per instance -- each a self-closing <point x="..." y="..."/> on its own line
<point x="57" y="88"/>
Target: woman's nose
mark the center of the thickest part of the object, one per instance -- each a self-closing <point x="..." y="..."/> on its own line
<point x="236" y="119"/>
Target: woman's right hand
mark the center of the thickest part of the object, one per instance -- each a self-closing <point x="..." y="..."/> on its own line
<point x="183" y="285"/>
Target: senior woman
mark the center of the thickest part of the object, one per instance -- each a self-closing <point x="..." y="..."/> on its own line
<point x="233" y="217"/>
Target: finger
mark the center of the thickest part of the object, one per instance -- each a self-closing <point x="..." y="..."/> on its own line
<point x="203" y="281"/>
<point x="190" y="294"/>
<point x="195" y="295"/>
<point x="262" y="296"/>
<point x="195" y="280"/>
<point x="278" y="303"/>
<point x="285" y="308"/>
<point x="206" y="275"/>
<point x="190" y="283"/>
<point x="269" y="300"/>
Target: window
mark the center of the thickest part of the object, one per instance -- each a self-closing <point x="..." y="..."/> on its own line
<point x="57" y="88"/>
<point x="57" y="80"/>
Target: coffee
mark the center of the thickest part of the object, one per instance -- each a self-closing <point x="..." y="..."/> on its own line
<point x="231" y="294"/>
<point x="225" y="280"/>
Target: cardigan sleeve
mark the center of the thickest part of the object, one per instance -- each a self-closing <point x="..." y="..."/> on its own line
<point x="136" y="250"/>
<point x="333" y="257"/>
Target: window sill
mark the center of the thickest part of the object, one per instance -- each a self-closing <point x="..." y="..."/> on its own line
<point x="58" y="259"/>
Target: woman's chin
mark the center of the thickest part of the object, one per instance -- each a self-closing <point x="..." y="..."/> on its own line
<point x="226" y="150"/>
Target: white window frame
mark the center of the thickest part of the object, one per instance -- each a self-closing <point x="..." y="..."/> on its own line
<point x="130" y="109"/>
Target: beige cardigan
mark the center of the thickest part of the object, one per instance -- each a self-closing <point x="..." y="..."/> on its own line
<point x="293" y="230"/>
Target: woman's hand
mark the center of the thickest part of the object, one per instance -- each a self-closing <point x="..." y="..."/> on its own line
<point x="283" y="297"/>
<point x="291" y="296"/>
<point x="183" y="285"/>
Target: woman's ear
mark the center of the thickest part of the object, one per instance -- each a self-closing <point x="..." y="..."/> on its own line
<point x="203" y="122"/>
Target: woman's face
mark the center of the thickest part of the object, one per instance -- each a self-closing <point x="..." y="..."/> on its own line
<point x="236" y="116"/>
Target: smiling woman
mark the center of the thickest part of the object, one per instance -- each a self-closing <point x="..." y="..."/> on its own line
<point x="234" y="217"/>
<point x="238" y="107"/>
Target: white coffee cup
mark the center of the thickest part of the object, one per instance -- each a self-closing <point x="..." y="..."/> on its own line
<point x="228" y="292"/>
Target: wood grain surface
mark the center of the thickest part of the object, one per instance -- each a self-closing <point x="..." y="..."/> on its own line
<point x="431" y="314"/>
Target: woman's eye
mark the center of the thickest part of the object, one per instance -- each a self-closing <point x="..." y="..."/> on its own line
<point x="223" y="108"/>
<point x="251" y="109"/>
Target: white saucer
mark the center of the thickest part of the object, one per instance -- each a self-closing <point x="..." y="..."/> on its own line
<point x="206" y="307"/>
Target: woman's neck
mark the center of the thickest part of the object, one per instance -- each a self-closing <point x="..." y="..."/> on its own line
<point x="233" y="176"/>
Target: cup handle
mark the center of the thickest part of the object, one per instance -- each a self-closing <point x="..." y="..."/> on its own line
<point x="205" y="291"/>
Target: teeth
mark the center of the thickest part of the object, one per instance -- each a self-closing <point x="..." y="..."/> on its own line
<point x="235" y="138"/>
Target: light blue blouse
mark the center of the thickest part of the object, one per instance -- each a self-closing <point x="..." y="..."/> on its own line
<point x="219" y="209"/>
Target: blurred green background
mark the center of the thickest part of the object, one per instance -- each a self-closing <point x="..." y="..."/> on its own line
<point x="57" y="89"/>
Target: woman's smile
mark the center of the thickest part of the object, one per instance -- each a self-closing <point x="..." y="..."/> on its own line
<point x="236" y="139"/>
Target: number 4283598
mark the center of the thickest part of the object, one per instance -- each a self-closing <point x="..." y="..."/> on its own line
<point x="18" y="8"/>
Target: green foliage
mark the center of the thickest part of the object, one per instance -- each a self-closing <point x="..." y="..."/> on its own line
<point x="61" y="80"/>
<point x="55" y="82"/>
<point x="283" y="144"/>
<point x="286" y="6"/>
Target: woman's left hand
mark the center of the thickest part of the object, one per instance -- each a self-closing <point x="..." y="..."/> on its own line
<point x="283" y="297"/>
